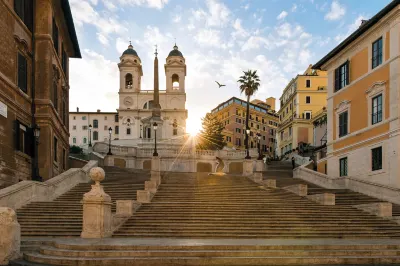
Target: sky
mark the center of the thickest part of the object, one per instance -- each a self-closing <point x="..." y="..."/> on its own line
<point x="218" y="38"/>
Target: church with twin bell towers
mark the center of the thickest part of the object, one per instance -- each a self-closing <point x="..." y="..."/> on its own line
<point x="139" y="109"/>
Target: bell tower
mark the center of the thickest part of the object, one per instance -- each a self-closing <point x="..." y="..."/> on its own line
<point x="130" y="69"/>
<point x="175" y="71"/>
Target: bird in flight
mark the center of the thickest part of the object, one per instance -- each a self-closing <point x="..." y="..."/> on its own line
<point x="220" y="85"/>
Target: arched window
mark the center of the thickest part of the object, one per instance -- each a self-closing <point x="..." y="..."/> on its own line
<point x="175" y="128"/>
<point x="128" y="81"/>
<point x="175" y="82"/>
<point x="84" y="140"/>
<point x="74" y="140"/>
<point x="95" y="123"/>
<point x="148" y="105"/>
<point x="128" y="131"/>
<point x="95" y="135"/>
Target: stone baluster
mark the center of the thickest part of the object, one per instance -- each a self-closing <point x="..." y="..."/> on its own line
<point x="97" y="219"/>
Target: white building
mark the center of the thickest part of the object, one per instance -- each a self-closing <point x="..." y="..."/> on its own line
<point x="137" y="109"/>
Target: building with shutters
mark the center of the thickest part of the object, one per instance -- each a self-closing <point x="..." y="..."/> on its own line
<point x="364" y="101"/>
<point x="303" y="97"/>
<point x="37" y="38"/>
<point x="262" y="120"/>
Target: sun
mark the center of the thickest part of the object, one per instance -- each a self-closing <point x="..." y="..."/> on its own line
<point x="193" y="126"/>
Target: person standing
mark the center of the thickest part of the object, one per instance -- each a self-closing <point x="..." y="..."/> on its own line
<point x="293" y="163"/>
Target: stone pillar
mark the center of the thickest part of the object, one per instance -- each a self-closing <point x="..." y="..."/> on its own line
<point x="97" y="218"/>
<point x="260" y="165"/>
<point x="258" y="177"/>
<point x="143" y="196"/>
<point x="151" y="186"/>
<point x="155" y="170"/>
<point x="10" y="236"/>
<point x="247" y="167"/>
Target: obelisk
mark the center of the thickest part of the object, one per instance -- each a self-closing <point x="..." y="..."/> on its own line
<point x="156" y="112"/>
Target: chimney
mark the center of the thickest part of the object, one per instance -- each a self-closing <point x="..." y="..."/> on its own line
<point x="98" y="110"/>
<point x="271" y="102"/>
<point x="77" y="109"/>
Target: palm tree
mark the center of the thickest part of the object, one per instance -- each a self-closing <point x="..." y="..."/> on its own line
<point x="249" y="84"/>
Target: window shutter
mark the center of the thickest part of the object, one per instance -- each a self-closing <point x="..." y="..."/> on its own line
<point x="347" y="72"/>
<point x="28" y="14"/>
<point x="29" y="142"/>
<point x="337" y="79"/>
<point x="19" y="8"/>
<point x="16" y="135"/>
<point x="22" y="73"/>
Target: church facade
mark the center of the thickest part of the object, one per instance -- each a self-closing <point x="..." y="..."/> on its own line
<point x="140" y="108"/>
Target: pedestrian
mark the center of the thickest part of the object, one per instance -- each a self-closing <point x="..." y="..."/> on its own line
<point x="293" y="163"/>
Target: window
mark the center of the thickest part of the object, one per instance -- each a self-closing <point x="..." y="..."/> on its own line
<point x="24" y="10"/>
<point x="238" y="130"/>
<point x="258" y="126"/>
<point x="64" y="108"/>
<point x="175" y="131"/>
<point x="95" y="123"/>
<point x="84" y="117"/>
<point x="64" y="159"/>
<point x="308" y="83"/>
<point x="74" y="118"/>
<point x="116" y="131"/>
<point x="377" y="53"/>
<point x="287" y="109"/>
<point x="308" y="99"/>
<point x="84" y="127"/>
<point x="263" y="137"/>
<point x="290" y="106"/>
<point x="55" y="35"/>
<point x="343" y="124"/>
<point x="342" y="76"/>
<point x="238" y="142"/>
<point x="64" y="59"/>
<point x="376" y="159"/>
<point x="55" y="148"/>
<point x="95" y="135"/>
<point x="84" y="140"/>
<point x="281" y="135"/>
<point x="74" y="140"/>
<point x="128" y="131"/>
<point x="308" y="115"/>
<point x="105" y="128"/>
<point x="343" y="166"/>
<point x="290" y="131"/>
<point x="128" y="81"/>
<point x="105" y="118"/>
<point x="252" y="125"/>
<point x="73" y="127"/>
<point x="22" y="73"/>
<point x="23" y="138"/>
<point x="116" y="118"/>
<point x="376" y="109"/>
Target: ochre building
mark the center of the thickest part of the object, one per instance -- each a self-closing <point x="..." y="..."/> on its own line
<point x="37" y="37"/>
<point x="364" y="100"/>
<point x="303" y="97"/>
<point x="262" y="120"/>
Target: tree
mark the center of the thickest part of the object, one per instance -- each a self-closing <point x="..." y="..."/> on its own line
<point x="210" y="137"/>
<point x="249" y="84"/>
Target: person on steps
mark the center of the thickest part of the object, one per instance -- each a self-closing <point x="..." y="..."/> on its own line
<point x="293" y="163"/>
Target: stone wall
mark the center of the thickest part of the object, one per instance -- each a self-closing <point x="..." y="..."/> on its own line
<point x="76" y="162"/>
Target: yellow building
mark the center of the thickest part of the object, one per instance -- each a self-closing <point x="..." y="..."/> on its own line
<point x="262" y="120"/>
<point x="304" y="96"/>
<point x="364" y="100"/>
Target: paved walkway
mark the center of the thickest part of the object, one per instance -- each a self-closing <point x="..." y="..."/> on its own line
<point x="213" y="242"/>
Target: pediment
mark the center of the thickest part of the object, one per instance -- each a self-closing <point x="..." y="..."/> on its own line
<point x="377" y="86"/>
<point x="342" y="105"/>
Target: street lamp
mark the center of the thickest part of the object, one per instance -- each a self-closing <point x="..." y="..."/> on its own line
<point x="36" y="132"/>
<point x="109" y="141"/>
<point x="247" y="143"/>
<point x="155" y="139"/>
<point x="90" y="135"/>
<point x="260" y="157"/>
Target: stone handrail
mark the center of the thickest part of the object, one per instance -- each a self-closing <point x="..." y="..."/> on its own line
<point x="302" y="172"/>
<point x="22" y="193"/>
<point x="97" y="157"/>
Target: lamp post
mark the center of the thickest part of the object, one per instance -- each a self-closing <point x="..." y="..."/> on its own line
<point x="260" y="157"/>
<point x="36" y="133"/>
<point x="155" y="139"/>
<point x="247" y="143"/>
<point x="90" y="135"/>
<point x="109" y="141"/>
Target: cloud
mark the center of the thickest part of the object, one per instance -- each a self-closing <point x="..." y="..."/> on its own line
<point x="93" y="75"/>
<point x="217" y="14"/>
<point x="294" y="8"/>
<point x="255" y="42"/>
<point x="176" y="18"/>
<point x="239" y="31"/>
<point x="209" y="37"/>
<point x="350" y="28"/>
<point x="246" y="6"/>
<point x="336" y="12"/>
<point x="158" y="4"/>
<point x="103" y="39"/>
<point x="282" y="15"/>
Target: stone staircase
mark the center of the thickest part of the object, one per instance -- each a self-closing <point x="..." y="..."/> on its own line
<point x="214" y="206"/>
<point x="63" y="216"/>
